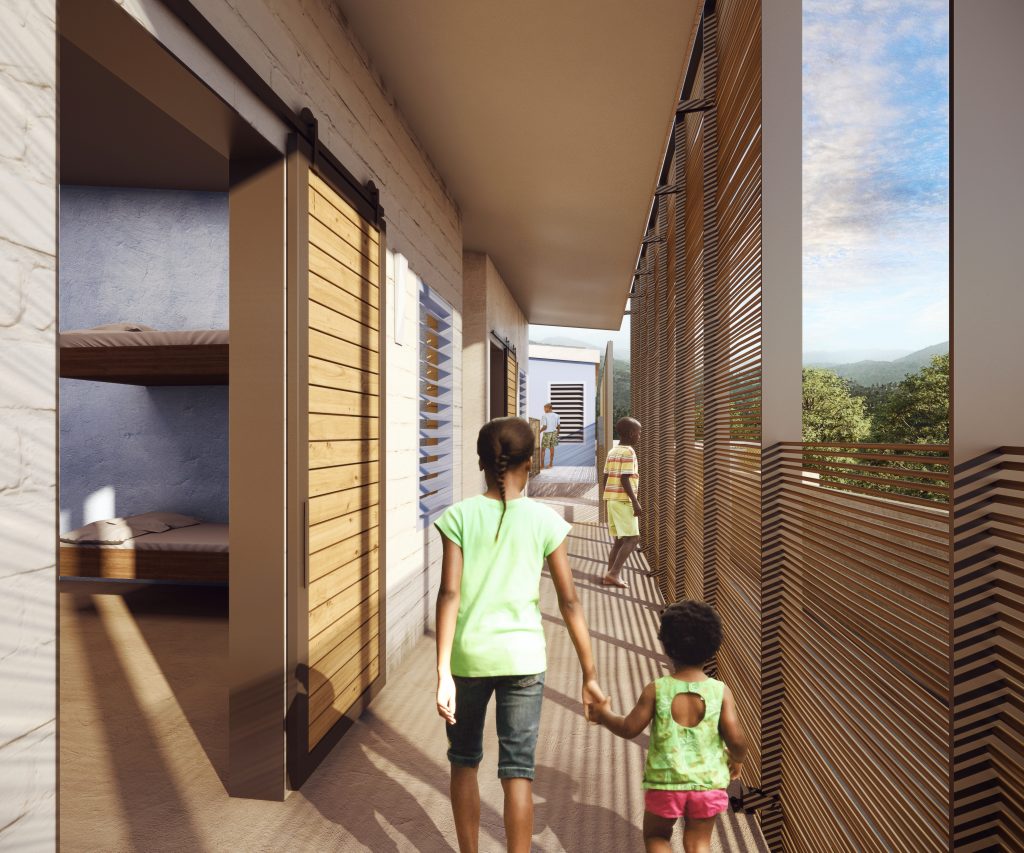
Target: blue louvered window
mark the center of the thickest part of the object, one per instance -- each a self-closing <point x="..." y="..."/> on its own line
<point x="435" y="405"/>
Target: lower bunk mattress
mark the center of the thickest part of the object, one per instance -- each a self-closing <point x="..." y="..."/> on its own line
<point x="194" y="554"/>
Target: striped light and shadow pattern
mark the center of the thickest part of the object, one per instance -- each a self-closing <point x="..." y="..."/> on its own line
<point x="697" y="350"/>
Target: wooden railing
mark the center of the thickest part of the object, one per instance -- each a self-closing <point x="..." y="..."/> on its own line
<point x="856" y="634"/>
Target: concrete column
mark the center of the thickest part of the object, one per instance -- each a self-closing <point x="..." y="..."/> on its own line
<point x="28" y="426"/>
<point x="781" y="347"/>
<point x="987" y="349"/>
<point x="987" y="300"/>
<point x="781" y="221"/>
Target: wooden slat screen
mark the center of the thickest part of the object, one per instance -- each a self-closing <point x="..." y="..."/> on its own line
<point x="692" y="368"/>
<point x="988" y="668"/>
<point x="864" y="533"/>
<point x="733" y="374"/>
<point x="605" y="416"/>
<point x="344" y="453"/>
<point x="567" y="400"/>
<point x="700" y="304"/>
<point x="830" y="566"/>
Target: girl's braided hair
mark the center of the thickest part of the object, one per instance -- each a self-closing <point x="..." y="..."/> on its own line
<point x="502" y="444"/>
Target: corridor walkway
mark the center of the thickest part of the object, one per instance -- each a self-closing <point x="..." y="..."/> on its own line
<point x="141" y="749"/>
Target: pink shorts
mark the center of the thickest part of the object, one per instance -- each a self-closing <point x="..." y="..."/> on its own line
<point x="694" y="804"/>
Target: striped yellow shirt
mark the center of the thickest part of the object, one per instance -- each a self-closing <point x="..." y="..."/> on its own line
<point x="621" y="460"/>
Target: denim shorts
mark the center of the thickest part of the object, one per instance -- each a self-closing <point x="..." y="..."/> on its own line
<point x="518" y="700"/>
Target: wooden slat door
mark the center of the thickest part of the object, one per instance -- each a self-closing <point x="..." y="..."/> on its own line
<point x="344" y="458"/>
<point x="511" y="384"/>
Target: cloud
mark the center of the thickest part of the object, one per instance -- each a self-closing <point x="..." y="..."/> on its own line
<point x="875" y="153"/>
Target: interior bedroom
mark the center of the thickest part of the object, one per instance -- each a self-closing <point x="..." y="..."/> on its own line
<point x="144" y="285"/>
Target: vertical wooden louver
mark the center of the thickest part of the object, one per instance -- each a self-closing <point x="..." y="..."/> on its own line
<point x="733" y="357"/>
<point x="344" y="649"/>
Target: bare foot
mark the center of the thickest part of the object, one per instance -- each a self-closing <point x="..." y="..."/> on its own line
<point x="608" y="580"/>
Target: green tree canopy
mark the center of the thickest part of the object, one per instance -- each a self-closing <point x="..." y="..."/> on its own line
<point x="917" y="411"/>
<point x="830" y="412"/>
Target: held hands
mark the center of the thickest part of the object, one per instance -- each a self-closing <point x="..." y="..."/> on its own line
<point x="446" y="698"/>
<point x="735" y="768"/>
<point x="600" y="711"/>
<point x="593" y="697"/>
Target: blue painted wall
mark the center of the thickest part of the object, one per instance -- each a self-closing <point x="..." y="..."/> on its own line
<point x="158" y="257"/>
<point x="542" y="373"/>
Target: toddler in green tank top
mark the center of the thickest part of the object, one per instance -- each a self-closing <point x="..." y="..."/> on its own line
<point x="697" y="744"/>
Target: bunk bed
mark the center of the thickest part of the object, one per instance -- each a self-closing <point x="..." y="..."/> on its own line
<point x="151" y="546"/>
<point x="134" y="354"/>
<point x="115" y="549"/>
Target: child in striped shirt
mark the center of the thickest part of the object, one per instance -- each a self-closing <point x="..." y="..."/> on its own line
<point x="622" y="484"/>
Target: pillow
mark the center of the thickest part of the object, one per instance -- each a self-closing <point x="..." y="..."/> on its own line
<point x="111" y="532"/>
<point x="139" y="524"/>
<point x="169" y="520"/>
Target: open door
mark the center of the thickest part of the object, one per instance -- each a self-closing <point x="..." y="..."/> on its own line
<point x="337" y="610"/>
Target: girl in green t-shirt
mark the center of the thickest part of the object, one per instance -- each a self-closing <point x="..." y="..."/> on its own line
<point x="490" y="638"/>
<point x="697" y="744"/>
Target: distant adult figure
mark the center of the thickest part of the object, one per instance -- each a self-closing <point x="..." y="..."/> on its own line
<point x="550" y="427"/>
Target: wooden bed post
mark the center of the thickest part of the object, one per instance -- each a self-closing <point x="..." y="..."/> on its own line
<point x="257" y="490"/>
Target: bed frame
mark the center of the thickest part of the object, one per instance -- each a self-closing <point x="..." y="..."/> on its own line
<point x="83" y="561"/>
<point x="169" y="364"/>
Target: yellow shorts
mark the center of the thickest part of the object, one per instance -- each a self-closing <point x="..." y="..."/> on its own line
<point x="621" y="520"/>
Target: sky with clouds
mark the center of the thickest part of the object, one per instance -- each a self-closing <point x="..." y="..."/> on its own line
<point x="875" y="173"/>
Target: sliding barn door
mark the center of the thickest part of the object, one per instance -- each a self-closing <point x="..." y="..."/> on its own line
<point x="342" y="525"/>
<point x="511" y="383"/>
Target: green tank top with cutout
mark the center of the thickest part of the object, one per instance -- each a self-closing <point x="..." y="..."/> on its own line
<point x="683" y="758"/>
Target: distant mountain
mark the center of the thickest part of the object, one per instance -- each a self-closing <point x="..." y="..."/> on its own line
<point x="830" y="358"/>
<point x="869" y="372"/>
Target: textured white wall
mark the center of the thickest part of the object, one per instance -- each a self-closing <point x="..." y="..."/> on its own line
<point x="158" y="257"/>
<point x="413" y="555"/>
<point x="28" y="419"/>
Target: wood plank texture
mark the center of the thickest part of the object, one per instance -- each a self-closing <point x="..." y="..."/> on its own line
<point x="178" y="364"/>
<point x="130" y="564"/>
<point x="344" y="458"/>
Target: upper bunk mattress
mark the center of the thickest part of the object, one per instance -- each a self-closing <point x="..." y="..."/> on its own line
<point x="108" y="338"/>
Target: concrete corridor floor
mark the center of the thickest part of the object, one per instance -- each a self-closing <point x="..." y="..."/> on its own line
<point x="143" y="741"/>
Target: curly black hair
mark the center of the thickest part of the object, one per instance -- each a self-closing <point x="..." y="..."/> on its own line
<point x="691" y="632"/>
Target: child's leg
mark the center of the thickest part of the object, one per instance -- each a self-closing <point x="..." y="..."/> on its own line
<point x="466" y="808"/>
<point x="518" y="701"/>
<point x="658" y="833"/>
<point x="616" y="545"/>
<point x="626" y="547"/>
<point x="465" y="749"/>
<point x="518" y="814"/>
<point x="697" y="833"/>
